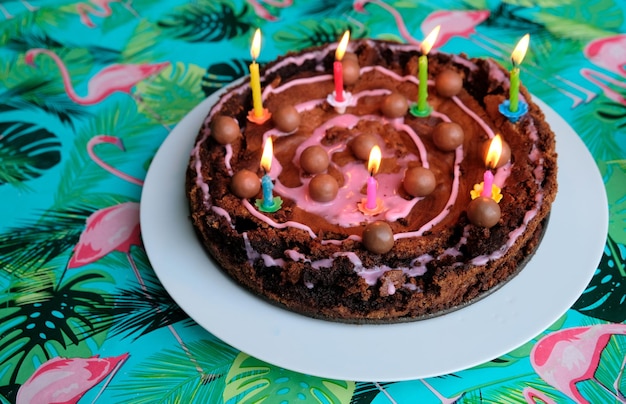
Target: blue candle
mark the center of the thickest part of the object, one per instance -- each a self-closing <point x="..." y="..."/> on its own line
<point x="269" y="203"/>
<point x="268" y="186"/>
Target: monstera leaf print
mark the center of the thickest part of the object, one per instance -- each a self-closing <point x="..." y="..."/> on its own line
<point x="27" y="151"/>
<point x="206" y="21"/>
<point x="605" y="296"/>
<point x="222" y="74"/>
<point x="251" y="380"/>
<point x="315" y="33"/>
<point x="39" y="319"/>
<point x="178" y="89"/>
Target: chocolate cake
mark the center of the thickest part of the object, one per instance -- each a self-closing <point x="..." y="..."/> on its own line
<point x="326" y="228"/>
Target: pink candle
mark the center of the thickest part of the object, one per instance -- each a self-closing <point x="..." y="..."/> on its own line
<point x="338" y="74"/>
<point x="338" y="67"/>
<point x="373" y="164"/>
<point x="487" y="184"/>
<point x="371" y="193"/>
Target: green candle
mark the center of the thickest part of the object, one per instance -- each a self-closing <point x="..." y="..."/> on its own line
<point x="516" y="57"/>
<point x="421" y="108"/>
<point x="422" y="95"/>
<point x="514" y="90"/>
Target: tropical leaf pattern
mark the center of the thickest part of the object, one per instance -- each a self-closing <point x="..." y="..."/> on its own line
<point x="252" y="380"/>
<point x="26" y="152"/>
<point x="111" y="313"/>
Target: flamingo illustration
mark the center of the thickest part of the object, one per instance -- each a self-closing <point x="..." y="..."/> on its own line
<point x="531" y="395"/>
<point x="569" y="356"/>
<point x="607" y="53"/>
<point x="117" y="228"/>
<point x="116" y="141"/>
<point x="359" y="6"/>
<point x="262" y="12"/>
<point x="103" y="10"/>
<point x="119" y="224"/>
<point x="8" y="15"/>
<point x="116" y="77"/>
<point x="61" y="380"/>
<point x="453" y="23"/>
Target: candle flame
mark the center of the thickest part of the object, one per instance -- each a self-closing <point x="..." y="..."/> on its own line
<point x="343" y="45"/>
<point x="373" y="163"/>
<point x="268" y="155"/>
<point x="255" y="49"/>
<point x="430" y="40"/>
<point x="494" y="152"/>
<point x="520" y="50"/>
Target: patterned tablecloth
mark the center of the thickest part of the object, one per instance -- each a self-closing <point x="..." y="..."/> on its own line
<point x="83" y="317"/>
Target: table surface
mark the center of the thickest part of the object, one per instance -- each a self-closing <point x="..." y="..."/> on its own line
<point x="81" y="325"/>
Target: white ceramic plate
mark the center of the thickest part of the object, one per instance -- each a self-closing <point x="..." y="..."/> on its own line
<point x="551" y="282"/>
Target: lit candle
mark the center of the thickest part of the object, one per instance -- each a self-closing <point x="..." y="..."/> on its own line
<point x="266" y="165"/>
<point x="487" y="184"/>
<point x="373" y="164"/>
<point x="258" y="113"/>
<point x="422" y="95"/>
<point x="516" y="57"/>
<point x="491" y="160"/>
<point x="338" y="67"/>
<point x="269" y="203"/>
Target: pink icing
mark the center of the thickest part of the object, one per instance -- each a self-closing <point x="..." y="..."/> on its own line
<point x="272" y="223"/>
<point x="227" y="157"/>
<point x="222" y="212"/>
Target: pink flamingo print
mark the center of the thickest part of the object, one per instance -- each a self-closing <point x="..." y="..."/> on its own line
<point x="116" y="141"/>
<point x="359" y="6"/>
<point x="607" y="53"/>
<point x="262" y="12"/>
<point x="113" y="78"/>
<point x="566" y="357"/>
<point x="119" y="224"/>
<point x="61" y="380"/>
<point x="8" y="15"/>
<point x="117" y="228"/>
<point x="453" y="23"/>
<point x="103" y="10"/>
<point x="531" y="395"/>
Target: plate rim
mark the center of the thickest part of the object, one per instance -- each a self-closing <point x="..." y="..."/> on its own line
<point x="340" y="350"/>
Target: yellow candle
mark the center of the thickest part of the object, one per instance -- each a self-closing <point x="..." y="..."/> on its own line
<point x="255" y="83"/>
<point x="255" y="78"/>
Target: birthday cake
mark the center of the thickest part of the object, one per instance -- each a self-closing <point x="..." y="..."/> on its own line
<point x="362" y="200"/>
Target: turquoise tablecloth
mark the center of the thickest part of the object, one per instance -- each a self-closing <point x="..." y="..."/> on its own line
<point x="100" y="327"/>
